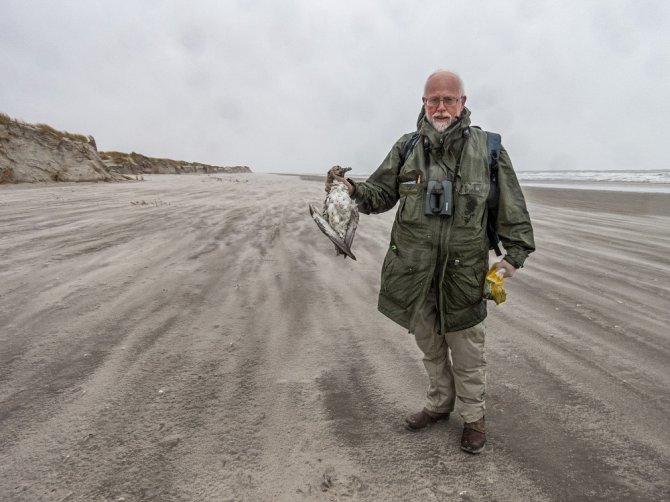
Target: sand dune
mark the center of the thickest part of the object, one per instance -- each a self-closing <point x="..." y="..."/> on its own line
<point x="195" y="338"/>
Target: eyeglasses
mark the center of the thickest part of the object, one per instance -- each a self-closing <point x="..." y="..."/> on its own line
<point x="434" y="102"/>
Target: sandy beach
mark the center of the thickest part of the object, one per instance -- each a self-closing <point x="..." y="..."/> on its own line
<point x="195" y="338"/>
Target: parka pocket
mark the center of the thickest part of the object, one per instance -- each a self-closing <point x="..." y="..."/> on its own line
<point x="471" y="204"/>
<point x="410" y="202"/>
<point x="464" y="282"/>
<point x="401" y="281"/>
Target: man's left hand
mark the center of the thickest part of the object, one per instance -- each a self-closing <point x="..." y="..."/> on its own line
<point x="507" y="267"/>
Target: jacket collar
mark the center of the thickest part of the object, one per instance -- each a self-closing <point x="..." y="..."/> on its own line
<point x="453" y="133"/>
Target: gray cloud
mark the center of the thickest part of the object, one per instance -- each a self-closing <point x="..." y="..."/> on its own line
<point x="299" y="86"/>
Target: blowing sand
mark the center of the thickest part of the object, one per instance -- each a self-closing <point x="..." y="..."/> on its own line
<point x="195" y="338"/>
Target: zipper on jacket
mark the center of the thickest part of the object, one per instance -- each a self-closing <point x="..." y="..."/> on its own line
<point x="448" y="223"/>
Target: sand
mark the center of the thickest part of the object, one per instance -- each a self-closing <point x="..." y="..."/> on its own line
<point x="195" y="338"/>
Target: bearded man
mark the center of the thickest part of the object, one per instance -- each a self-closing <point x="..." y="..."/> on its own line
<point x="434" y="270"/>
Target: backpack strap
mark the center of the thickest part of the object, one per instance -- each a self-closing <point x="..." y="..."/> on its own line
<point x="494" y="144"/>
<point x="409" y="146"/>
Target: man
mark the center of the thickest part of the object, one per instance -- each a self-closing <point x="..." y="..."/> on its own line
<point x="434" y="271"/>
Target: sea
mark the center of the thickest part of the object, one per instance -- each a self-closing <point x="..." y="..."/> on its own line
<point x="626" y="181"/>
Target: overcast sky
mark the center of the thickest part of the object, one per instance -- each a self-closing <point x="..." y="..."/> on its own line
<point x="298" y="86"/>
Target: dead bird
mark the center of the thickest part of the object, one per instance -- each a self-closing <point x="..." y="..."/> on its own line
<point x="340" y="214"/>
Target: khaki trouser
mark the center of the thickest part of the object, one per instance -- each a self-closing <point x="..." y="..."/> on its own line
<point x="455" y="363"/>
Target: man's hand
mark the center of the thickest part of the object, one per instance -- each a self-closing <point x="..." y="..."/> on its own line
<point x="350" y="187"/>
<point x="507" y="267"/>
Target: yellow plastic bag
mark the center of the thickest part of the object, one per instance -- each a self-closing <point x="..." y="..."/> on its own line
<point x="494" y="287"/>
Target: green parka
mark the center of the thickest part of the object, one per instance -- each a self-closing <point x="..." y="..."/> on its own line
<point x="451" y="252"/>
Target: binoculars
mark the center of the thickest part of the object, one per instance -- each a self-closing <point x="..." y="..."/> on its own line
<point x="439" y="198"/>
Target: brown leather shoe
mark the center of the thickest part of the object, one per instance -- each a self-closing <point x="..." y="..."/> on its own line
<point x="474" y="436"/>
<point x="423" y="419"/>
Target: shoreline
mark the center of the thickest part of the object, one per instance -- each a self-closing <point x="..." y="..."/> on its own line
<point x="567" y="196"/>
<point x="597" y="197"/>
<point x="617" y="202"/>
<point x="609" y="186"/>
<point x="572" y="184"/>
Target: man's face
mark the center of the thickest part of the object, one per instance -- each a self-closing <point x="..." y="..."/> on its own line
<point x="442" y="101"/>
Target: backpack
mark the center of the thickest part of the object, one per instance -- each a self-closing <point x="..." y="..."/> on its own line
<point x="494" y="144"/>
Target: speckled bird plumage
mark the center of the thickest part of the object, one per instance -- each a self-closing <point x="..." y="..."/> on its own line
<point x="338" y="206"/>
<point x="340" y="214"/>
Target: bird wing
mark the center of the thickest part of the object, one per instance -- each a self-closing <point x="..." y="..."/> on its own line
<point x="351" y="229"/>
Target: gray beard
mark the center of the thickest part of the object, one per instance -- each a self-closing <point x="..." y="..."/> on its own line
<point x="441" y="126"/>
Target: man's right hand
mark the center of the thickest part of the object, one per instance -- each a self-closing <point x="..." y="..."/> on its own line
<point x="350" y="187"/>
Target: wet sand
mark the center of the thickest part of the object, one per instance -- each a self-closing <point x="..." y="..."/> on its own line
<point x="195" y="338"/>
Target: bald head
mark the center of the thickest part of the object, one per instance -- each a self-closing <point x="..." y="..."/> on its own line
<point x="444" y="78"/>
